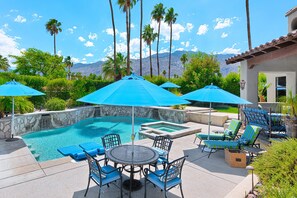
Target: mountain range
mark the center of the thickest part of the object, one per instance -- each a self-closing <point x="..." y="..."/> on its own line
<point x="176" y="65"/>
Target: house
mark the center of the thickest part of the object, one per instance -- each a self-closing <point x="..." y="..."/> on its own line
<point x="277" y="59"/>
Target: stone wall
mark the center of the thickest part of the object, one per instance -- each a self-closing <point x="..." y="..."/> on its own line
<point x="44" y="120"/>
<point x="56" y="119"/>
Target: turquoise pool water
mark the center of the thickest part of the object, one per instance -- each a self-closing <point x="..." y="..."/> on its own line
<point x="167" y="127"/>
<point x="45" y="143"/>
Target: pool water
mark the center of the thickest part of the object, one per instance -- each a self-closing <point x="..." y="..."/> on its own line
<point x="167" y="127"/>
<point x="46" y="142"/>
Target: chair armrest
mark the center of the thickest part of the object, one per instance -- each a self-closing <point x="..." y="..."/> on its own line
<point x="256" y="145"/>
<point x="219" y="131"/>
<point x="116" y="169"/>
<point x="147" y="171"/>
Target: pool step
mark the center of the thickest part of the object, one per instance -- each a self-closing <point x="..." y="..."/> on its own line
<point x="32" y="150"/>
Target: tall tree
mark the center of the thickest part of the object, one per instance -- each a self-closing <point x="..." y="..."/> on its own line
<point x="126" y="6"/>
<point x="107" y="68"/>
<point x="68" y="64"/>
<point x="140" y="37"/>
<point x="53" y="27"/>
<point x="149" y="37"/>
<point x="4" y="65"/>
<point x="247" y="9"/>
<point x="158" y="15"/>
<point x="184" y="59"/>
<point x="170" y="18"/>
<point x="115" y="75"/>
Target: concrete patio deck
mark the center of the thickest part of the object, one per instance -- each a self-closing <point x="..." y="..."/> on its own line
<point x="21" y="176"/>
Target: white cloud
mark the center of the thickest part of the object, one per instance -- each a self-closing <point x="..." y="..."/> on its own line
<point x="6" y="27"/>
<point x="59" y="53"/>
<point x="190" y="26"/>
<point x="202" y="29"/>
<point x="194" y="49"/>
<point x="132" y="25"/>
<point x="224" y="35"/>
<point x="224" y="22"/>
<point x="186" y="44"/>
<point x="123" y="35"/>
<point x="36" y="17"/>
<point x="93" y="36"/>
<point x="180" y="49"/>
<point x="89" y="44"/>
<point x="75" y="60"/>
<point x="82" y="39"/>
<point x="89" y="55"/>
<point x="109" y="31"/>
<point x="20" y="19"/>
<point x="8" y="46"/>
<point x="164" y="51"/>
<point x="71" y="30"/>
<point x="230" y="50"/>
<point x="165" y="30"/>
<point x="13" y="10"/>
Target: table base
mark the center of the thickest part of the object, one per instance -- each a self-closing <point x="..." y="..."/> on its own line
<point x="136" y="184"/>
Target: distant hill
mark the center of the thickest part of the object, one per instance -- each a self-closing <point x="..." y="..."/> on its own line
<point x="176" y="65"/>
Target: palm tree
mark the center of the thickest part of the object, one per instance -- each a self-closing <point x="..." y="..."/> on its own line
<point x="114" y="41"/>
<point x="247" y="9"/>
<point x="108" y="70"/>
<point x="184" y="59"/>
<point x="68" y="64"/>
<point x="140" y="37"/>
<point x="53" y="27"/>
<point x="126" y="6"/>
<point x="149" y="37"/>
<point x="170" y="18"/>
<point x="158" y="15"/>
<point x="4" y="65"/>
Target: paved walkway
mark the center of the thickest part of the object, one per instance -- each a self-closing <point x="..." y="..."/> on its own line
<point x="21" y="176"/>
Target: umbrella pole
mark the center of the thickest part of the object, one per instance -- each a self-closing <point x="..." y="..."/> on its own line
<point x="133" y="134"/>
<point x="209" y="120"/>
<point x="12" y="118"/>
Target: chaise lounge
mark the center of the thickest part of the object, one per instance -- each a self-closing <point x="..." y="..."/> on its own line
<point x="229" y="134"/>
<point x="248" y="138"/>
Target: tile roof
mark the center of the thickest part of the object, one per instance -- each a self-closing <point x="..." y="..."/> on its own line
<point x="275" y="44"/>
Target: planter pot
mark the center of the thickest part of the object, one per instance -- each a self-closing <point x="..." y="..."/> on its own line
<point x="291" y="126"/>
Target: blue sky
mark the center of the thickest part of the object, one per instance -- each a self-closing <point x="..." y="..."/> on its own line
<point x="212" y="26"/>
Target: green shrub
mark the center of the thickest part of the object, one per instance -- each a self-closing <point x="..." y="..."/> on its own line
<point x="59" y="88"/>
<point x="55" y="104"/>
<point x="231" y="83"/>
<point x="277" y="170"/>
<point x="158" y="80"/>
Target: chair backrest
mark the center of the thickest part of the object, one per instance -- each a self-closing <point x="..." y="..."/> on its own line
<point x="94" y="167"/>
<point x="111" y="140"/>
<point x="250" y="134"/>
<point x="164" y="143"/>
<point x="257" y="117"/>
<point x="234" y="127"/>
<point x="174" y="169"/>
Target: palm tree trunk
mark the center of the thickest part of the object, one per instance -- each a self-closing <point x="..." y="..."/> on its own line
<point x="128" y="40"/>
<point x="54" y="44"/>
<point x="151" y="66"/>
<point x="114" y="42"/>
<point x="248" y="23"/>
<point x="140" y="36"/>
<point x="169" y="66"/>
<point x="158" y="64"/>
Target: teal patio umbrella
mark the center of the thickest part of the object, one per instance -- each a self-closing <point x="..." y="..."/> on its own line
<point x="133" y="91"/>
<point x="169" y="85"/>
<point x="13" y="89"/>
<point x="214" y="94"/>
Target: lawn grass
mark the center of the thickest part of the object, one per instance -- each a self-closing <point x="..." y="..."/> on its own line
<point x="228" y="109"/>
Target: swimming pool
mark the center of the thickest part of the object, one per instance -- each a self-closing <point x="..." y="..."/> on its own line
<point x="46" y="142"/>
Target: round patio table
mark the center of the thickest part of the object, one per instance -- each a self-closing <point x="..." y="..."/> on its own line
<point x="132" y="155"/>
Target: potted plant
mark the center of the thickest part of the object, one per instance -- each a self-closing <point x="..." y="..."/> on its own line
<point x="289" y="109"/>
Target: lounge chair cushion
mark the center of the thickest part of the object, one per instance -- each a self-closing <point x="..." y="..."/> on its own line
<point x="76" y="152"/>
<point x="217" y="144"/>
<point x="212" y="136"/>
<point x="93" y="145"/>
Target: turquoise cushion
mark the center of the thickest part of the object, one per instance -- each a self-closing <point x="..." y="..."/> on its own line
<point x="217" y="144"/>
<point x="156" y="180"/>
<point x="212" y="136"/>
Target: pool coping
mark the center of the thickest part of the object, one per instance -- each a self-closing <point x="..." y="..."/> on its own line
<point x="152" y="132"/>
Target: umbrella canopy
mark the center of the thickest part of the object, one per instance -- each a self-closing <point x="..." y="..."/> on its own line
<point x="13" y="88"/>
<point x="133" y="91"/>
<point x="212" y="93"/>
<point x="169" y="85"/>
